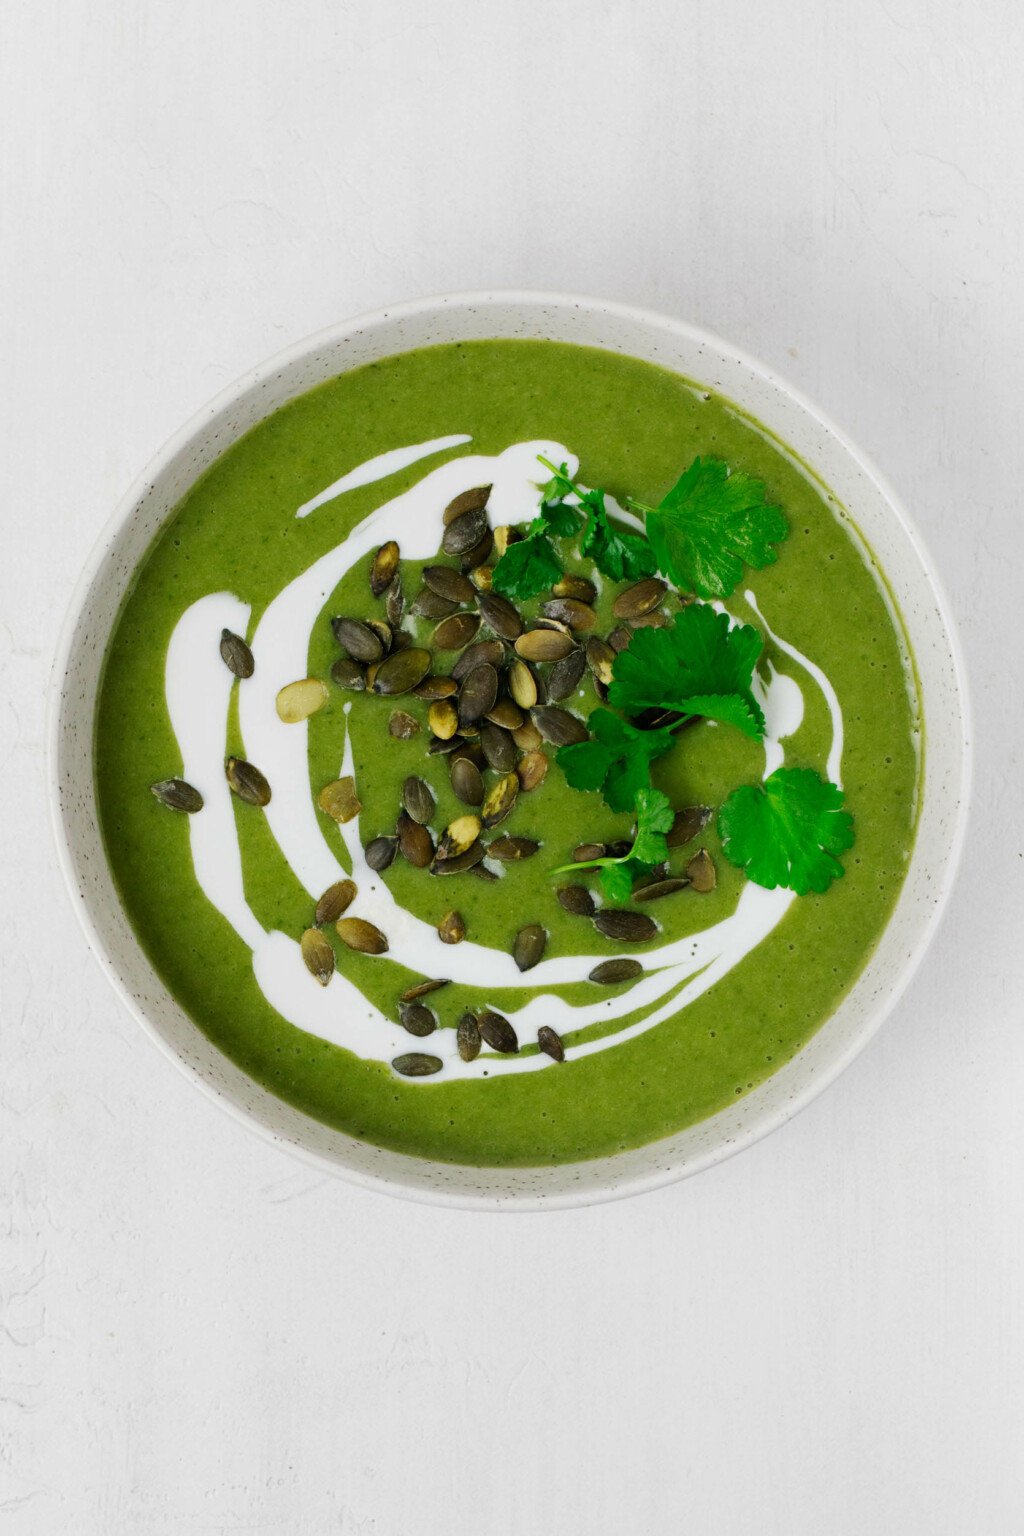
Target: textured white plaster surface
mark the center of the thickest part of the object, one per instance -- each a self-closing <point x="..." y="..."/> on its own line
<point x="823" y="1335"/>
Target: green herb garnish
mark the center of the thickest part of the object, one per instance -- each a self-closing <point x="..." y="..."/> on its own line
<point x="710" y="524"/>
<point x="617" y="760"/>
<point x="700" y="666"/>
<point x="654" y="817"/>
<point x="787" y="831"/>
<point x="527" y="568"/>
<point x="617" y="553"/>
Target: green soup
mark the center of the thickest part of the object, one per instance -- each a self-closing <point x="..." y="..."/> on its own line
<point x="633" y="427"/>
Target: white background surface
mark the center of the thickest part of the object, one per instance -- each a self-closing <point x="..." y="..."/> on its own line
<point x="822" y="1336"/>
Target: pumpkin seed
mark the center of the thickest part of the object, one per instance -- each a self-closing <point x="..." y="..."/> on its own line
<point x="478" y="554"/>
<point x="360" y="641"/>
<point x="477" y="694"/>
<point x="402" y="725"/>
<point x="382" y="631"/>
<point x="401" y="671"/>
<point x="481" y="872"/>
<point x="564" y="677"/>
<point x="619" y="848"/>
<point x="415" y="843"/>
<point x="654" y="620"/>
<point x="443" y="745"/>
<point x="568" y="610"/>
<point x="499" y="748"/>
<point x="382" y="571"/>
<point x="371" y="673"/>
<point x="454" y="634"/>
<point x="550" y="1043"/>
<point x="544" y="645"/>
<point x="500" y="615"/>
<point x="585" y="853"/>
<point x="532" y="770"/>
<point x="481" y="576"/>
<point x="394" y="604"/>
<point x="511" y="849"/>
<point x="380" y="852"/>
<point x="504" y="535"/>
<point x="577" y="900"/>
<point x="522" y="684"/>
<point x="317" y="955"/>
<point x="485" y="652"/>
<point x="427" y="605"/>
<point x="464" y="532"/>
<point x="529" y="946"/>
<point x="424" y="988"/>
<point x="687" y="825"/>
<point x="577" y="587"/>
<point x="452" y="928"/>
<point x="449" y="583"/>
<point x="600" y="659"/>
<point x="628" y="927"/>
<point x="639" y="599"/>
<point x="467" y="1037"/>
<point x="401" y="640"/>
<point x="358" y="934"/>
<point x="418" y="799"/>
<point x="435" y="687"/>
<point x="527" y="738"/>
<point x="297" y="701"/>
<point x="235" y="654"/>
<point x="335" y="900"/>
<point x="619" y="639"/>
<point x="339" y="799"/>
<point x="659" y="888"/>
<point x="417" y="1064"/>
<point x="558" y="726"/>
<point x="247" y="782"/>
<point x="348" y="674"/>
<point x="460" y="862"/>
<point x="417" y="1019"/>
<point x="459" y="835"/>
<point x="701" y="872"/>
<point x="506" y="714"/>
<point x="497" y="1032"/>
<point x="466" y="780"/>
<point x="179" y="794"/>
<point x="610" y="971"/>
<point x="467" y="501"/>
<point x="500" y="800"/>
<point x="443" y="719"/>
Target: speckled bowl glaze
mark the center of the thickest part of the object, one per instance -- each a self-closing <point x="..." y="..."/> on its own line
<point x="860" y="494"/>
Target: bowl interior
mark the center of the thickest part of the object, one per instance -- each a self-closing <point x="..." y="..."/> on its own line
<point x="850" y="480"/>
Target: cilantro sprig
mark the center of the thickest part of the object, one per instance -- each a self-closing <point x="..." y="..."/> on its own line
<point x="702" y="665"/>
<point x="710" y="524"/>
<point x="788" y="831"/>
<point x="618" y="553"/>
<point x="617" y="760"/>
<point x="654" y="817"/>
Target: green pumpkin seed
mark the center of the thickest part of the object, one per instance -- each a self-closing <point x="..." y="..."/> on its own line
<point x="600" y="659"/>
<point x="454" y="634"/>
<point x="639" y="599"/>
<point x="459" y="835"/>
<point x="506" y="714"/>
<point x="659" y="888"/>
<point x="527" y="737"/>
<point x="382" y="571"/>
<point x="464" y="532"/>
<point x="558" y="726"/>
<point x="428" y="605"/>
<point x="522" y="684"/>
<point x="349" y="674"/>
<point x="687" y="825"/>
<point x="402" y="725"/>
<point x="654" y="620"/>
<point x="444" y="744"/>
<point x="394" y="604"/>
<point x="466" y="780"/>
<point x="417" y="1064"/>
<point x="577" y="900"/>
<point x="497" y="1032"/>
<point x="567" y="610"/>
<point x="544" y="645"/>
<point x="452" y="928"/>
<point x="609" y="972"/>
<point x="339" y="799"/>
<point x="443" y="719"/>
<point x="417" y="1019"/>
<point x="564" y="677"/>
<point x="467" y="501"/>
<point x="577" y="587"/>
<point x="529" y="945"/>
<point x="481" y="576"/>
<point x="380" y="852"/>
<point x="585" y="853"/>
<point x="498" y="748"/>
<point x="179" y="795"/>
<point x="235" y="654"/>
<point x="619" y="639"/>
<point x="459" y="863"/>
<point x="247" y="782"/>
<point x="415" y="843"/>
<point x="449" y="583"/>
<point x="550" y="1043"/>
<point x="401" y="671"/>
<point x="297" y="701"/>
<point x="701" y="872"/>
<point x="480" y="552"/>
<point x="504" y="535"/>
<point x="335" y="900"/>
<point x="424" y="988"/>
<point x="360" y="935"/>
<point x="489" y="653"/>
<point x="532" y="770"/>
<point x="317" y="955"/>
<point x="418" y="799"/>
<point x="500" y="615"/>
<point x="499" y="801"/>
<point x="360" y="641"/>
<point x="627" y="927"/>
<point x="434" y="687"/>
<point x="511" y="849"/>
<point x="477" y="694"/>
<point x="467" y="1037"/>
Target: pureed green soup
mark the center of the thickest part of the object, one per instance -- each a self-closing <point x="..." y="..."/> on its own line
<point x="272" y="545"/>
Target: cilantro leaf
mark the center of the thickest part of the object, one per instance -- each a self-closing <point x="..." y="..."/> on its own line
<point x="654" y="817"/>
<point x="527" y="568"/>
<point x="616" y="760"/>
<point x="710" y="524"/>
<point x="700" y="666"/>
<point x="617" y="553"/>
<point x="560" y="519"/>
<point x="787" y="831"/>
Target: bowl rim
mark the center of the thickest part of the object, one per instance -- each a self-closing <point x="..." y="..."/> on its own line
<point x="658" y="1177"/>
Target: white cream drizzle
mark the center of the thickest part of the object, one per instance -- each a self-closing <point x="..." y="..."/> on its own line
<point x="198" y="693"/>
<point x="380" y="467"/>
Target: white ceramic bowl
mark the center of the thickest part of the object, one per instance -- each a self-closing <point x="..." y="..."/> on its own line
<point x="872" y="507"/>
